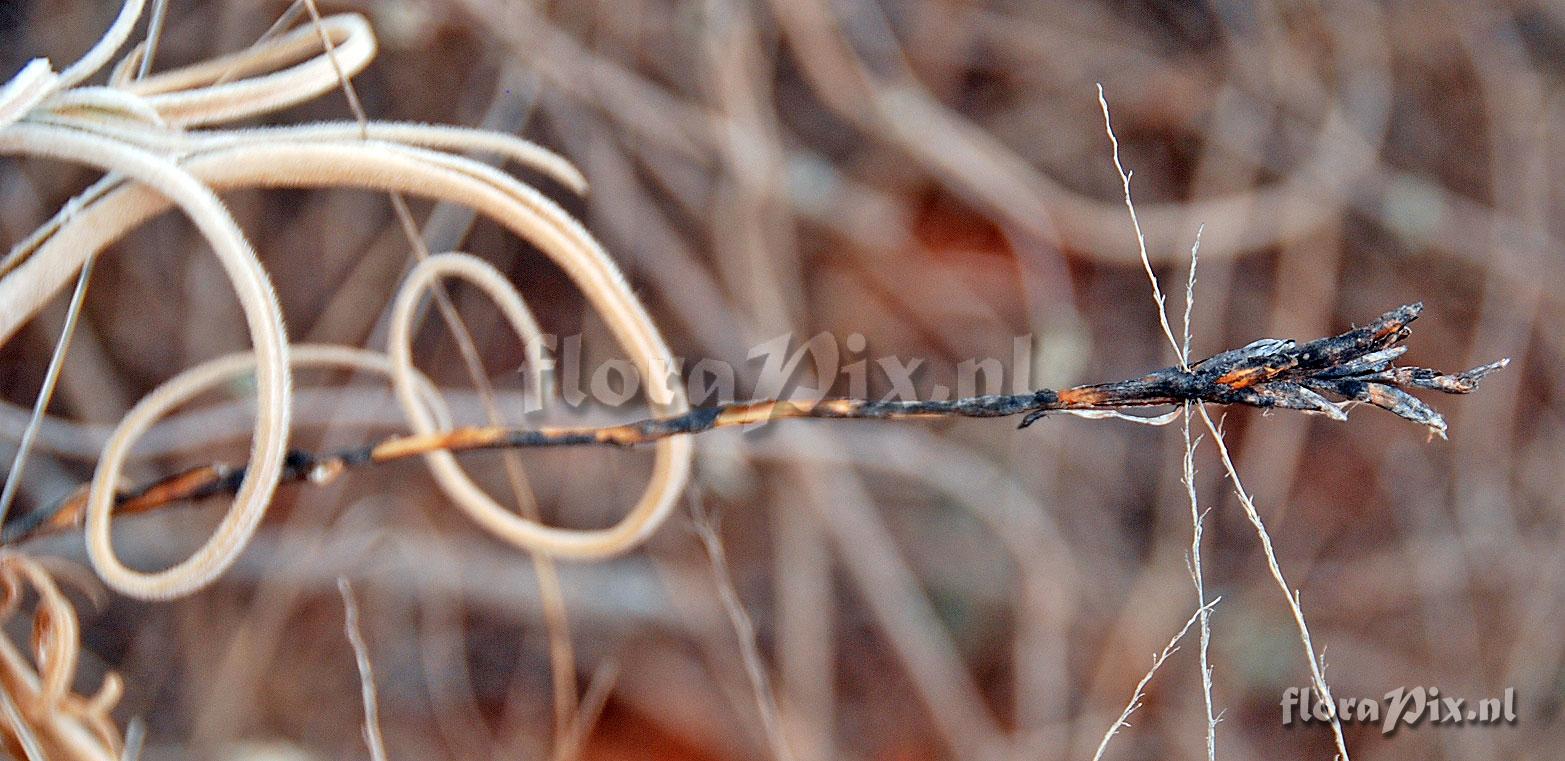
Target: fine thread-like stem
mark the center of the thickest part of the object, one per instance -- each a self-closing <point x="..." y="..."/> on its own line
<point x="1141" y="240"/>
<point x="1157" y="662"/>
<point x="51" y="379"/>
<point x="1198" y="578"/>
<point x="1317" y="672"/>
<point x="744" y="630"/>
<point x="1197" y="517"/>
<point x="1182" y="351"/>
<point x="361" y="657"/>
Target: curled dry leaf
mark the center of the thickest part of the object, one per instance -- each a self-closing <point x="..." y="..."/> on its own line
<point x="160" y="141"/>
<point x="49" y="716"/>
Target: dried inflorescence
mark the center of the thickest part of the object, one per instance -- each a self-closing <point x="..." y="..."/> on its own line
<point x="1355" y="366"/>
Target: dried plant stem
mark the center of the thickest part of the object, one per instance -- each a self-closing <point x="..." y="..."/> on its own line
<point x="1317" y="672"/>
<point x="361" y="656"/>
<point x="1187" y="475"/>
<point x="588" y="710"/>
<point x="1266" y="374"/>
<point x="1187" y="461"/>
<point x="1198" y="578"/>
<point x="51" y="379"/>
<point x="744" y="630"/>
<point x="1157" y="663"/>
<point x="1141" y="240"/>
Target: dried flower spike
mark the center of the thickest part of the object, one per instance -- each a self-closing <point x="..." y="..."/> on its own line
<point x="1355" y="366"/>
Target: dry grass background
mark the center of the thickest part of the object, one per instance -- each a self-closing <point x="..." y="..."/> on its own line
<point x="934" y="176"/>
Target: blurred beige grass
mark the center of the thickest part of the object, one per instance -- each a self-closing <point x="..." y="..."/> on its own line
<point x="933" y="177"/>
